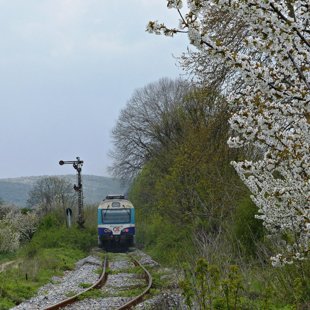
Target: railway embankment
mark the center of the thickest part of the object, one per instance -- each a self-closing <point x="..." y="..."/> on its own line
<point x="125" y="281"/>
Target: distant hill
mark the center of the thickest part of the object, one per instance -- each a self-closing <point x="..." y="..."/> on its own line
<point x="95" y="188"/>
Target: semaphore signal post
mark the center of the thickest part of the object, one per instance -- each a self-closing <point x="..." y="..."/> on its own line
<point x="77" y="165"/>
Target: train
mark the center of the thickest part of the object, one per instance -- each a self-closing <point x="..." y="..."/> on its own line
<point x="116" y="222"/>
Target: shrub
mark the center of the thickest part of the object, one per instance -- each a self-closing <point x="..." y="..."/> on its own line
<point x="208" y="288"/>
<point x="247" y="230"/>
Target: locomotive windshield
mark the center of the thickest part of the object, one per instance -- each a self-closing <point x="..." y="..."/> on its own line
<point x="120" y="216"/>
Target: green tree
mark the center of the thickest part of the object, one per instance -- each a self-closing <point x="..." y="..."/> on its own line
<point x="189" y="183"/>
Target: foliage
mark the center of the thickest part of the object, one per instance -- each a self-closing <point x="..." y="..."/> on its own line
<point x="188" y="188"/>
<point x="148" y="123"/>
<point x="85" y="285"/>
<point x="209" y="286"/>
<point x="22" y="282"/>
<point x="206" y="288"/>
<point x="53" y="249"/>
<point x="7" y="256"/>
<point x="25" y="222"/>
<point x="94" y="293"/>
<point x="5" y="209"/>
<point x="53" y="234"/>
<point x="190" y="202"/>
<point x="91" y="217"/>
<point x="271" y="110"/>
<point x="16" y="227"/>
<point x="246" y="229"/>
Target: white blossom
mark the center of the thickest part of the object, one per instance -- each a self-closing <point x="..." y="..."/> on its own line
<point x="273" y="109"/>
<point x="16" y="227"/>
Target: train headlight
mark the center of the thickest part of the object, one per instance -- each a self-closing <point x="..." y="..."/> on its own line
<point x="106" y="230"/>
<point x="126" y="230"/>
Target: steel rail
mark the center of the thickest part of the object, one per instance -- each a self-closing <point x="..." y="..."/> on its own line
<point x="139" y="298"/>
<point x="101" y="281"/>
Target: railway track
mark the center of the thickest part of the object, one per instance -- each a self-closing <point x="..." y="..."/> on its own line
<point x="68" y="303"/>
<point x="140" y="297"/>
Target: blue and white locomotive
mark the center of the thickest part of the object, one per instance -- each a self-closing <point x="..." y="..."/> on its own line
<point x="116" y="221"/>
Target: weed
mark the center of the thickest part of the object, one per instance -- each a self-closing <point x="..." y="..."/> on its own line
<point x="135" y="270"/>
<point x="70" y="293"/>
<point x="131" y="292"/>
<point x="206" y="288"/>
<point x="94" y="293"/>
<point x="52" y="250"/>
<point x="85" y="285"/>
<point x="99" y="271"/>
<point x="231" y="286"/>
<point x="6" y="303"/>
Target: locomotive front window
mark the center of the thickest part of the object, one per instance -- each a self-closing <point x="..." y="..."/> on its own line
<point x="121" y="216"/>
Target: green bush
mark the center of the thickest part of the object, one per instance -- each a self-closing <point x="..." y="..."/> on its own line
<point x="14" y="288"/>
<point x="5" y="303"/>
<point x="52" y="220"/>
<point x="208" y="288"/>
<point x="166" y="242"/>
<point x="247" y="230"/>
<point x="53" y="249"/>
<point x="52" y="233"/>
<point x="21" y="283"/>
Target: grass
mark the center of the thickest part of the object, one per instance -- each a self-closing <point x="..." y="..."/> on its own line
<point x="85" y="285"/>
<point x="94" y="293"/>
<point x="70" y="294"/>
<point x="4" y="257"/>
<point x="21" y="282"/>
<point x="161" y="280"/>
<point x="113" y="257"/>
<point x="52" y="250"/>
<point x="135" y="270"/>
<point x="131" y="291"/>
<point x="98" y="271"/>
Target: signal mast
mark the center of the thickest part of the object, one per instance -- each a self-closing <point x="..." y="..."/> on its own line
<point x="77" y="165"/>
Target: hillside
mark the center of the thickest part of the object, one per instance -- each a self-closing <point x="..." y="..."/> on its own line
<point x="15" y="190"/>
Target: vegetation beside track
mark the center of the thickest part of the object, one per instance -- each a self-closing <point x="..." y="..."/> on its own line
<point x="191" y="204"/>
<point x="53" y="249"/>
<point x="210" y="216"/>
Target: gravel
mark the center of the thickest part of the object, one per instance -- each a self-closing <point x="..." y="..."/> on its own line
<point x="120" y="282"/>
<point x="59" y="287"/>
<point x="164" y="301"/>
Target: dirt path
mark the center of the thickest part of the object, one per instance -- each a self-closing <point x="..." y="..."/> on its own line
<point x="8" y="264"/>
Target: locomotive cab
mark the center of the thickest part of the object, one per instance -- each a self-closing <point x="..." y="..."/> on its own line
<point x="116" y="221"/>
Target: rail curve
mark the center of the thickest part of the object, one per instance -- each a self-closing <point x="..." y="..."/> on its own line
<point x="139" y="298"/>
<point x="101" y="281"/>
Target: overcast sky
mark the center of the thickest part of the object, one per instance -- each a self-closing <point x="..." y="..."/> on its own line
<point x="67" y="68"/>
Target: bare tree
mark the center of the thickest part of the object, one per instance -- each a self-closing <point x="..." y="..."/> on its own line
<point x="49" y="192"/>
<point x="147" y="124"/>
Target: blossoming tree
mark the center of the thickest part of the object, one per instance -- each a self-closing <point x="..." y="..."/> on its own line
<point x="272" y="109"/>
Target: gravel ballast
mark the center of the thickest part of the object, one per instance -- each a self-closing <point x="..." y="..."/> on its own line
<point x="123" y="284"/>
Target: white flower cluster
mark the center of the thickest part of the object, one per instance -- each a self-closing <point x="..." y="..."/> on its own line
<point x="9" y="237"/>
<point x="176" y="4"/>
<point x="272" y="111"/>
<point x="9" y="240"/>
<point x="157" y="28"/>
<point x="16" y="227"/>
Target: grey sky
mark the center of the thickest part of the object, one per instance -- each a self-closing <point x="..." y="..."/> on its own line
<point x="67" y="68"/>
